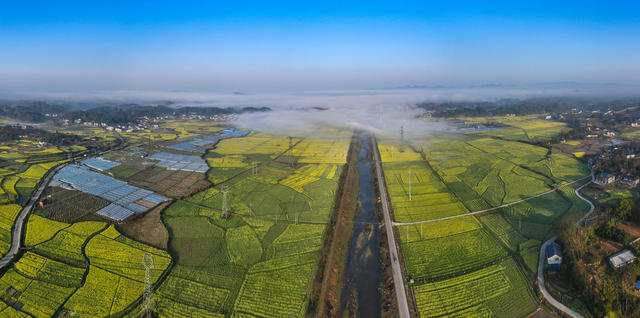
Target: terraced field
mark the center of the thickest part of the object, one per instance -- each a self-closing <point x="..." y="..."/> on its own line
<point x="477" y="265"/>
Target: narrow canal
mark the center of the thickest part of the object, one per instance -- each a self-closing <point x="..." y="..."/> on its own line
<point x="363" y="272"/>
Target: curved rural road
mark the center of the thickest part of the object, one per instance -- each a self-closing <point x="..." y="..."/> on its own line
<point x="398" y="280"/>
<point x="16" y="239"/>
<point x="543" y="289"/>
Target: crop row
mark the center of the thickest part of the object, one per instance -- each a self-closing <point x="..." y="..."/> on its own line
<point x="450" y="254"/>
<point x="40" y="298"/>
<point x="278" y="293"/>
<point x="43" y="269"/>
<point x="505" y="232"/>
<point x="321" y="151"/>
<point x="498" y="289"/>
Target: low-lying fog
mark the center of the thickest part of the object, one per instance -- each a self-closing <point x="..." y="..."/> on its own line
<point x="382" y="111"/>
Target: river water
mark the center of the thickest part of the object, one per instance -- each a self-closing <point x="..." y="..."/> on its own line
<point x="364" y="272"/>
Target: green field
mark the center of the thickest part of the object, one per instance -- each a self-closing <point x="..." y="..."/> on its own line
<point x="477" y="265"/>
<point x="632" y="135"/>
<point x="495" y="291"/>
<point x="522" y="128"/>
<point x="88" y="268"/>
<point x="8" y="214"/>
<point x="262" y="260"/>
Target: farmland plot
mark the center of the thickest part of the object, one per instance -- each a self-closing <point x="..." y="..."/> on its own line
<point x="39" y="298"/>
<point x="51" y="277"/>
<point x="505" y="232"/>
<point x="260" y="261"/>
<point x="314" y="150"/>
<point x="430" y="198"/>
<point x="445" y="255"/>
<point x="67" y="244"/>
<point x="459" y="265"/>
<point x="496" y="291"/>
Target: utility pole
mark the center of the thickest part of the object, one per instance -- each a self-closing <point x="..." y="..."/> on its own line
<point x="225" y="209"/>
<point x="254" y="168"/>
<point x="147" y="303"/>
<point x="289" y="151"/>
<point x="519" y="223"/>
<point x="401" y="138"/>
<point x="409" y="183"/>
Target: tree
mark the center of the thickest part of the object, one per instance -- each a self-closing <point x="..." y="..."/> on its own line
<point x="623" y="209"/>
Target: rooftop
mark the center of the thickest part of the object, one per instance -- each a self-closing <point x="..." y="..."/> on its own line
<point x="621" y="258"/>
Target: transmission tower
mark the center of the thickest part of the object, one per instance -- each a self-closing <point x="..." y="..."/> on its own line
<point x="147" y="303"/>
<point x="225" y="208"/>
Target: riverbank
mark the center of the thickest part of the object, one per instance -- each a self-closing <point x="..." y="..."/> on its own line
<point x="327" y="288"/>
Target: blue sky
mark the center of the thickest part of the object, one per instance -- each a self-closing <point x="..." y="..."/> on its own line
<point x="253" y="46"/>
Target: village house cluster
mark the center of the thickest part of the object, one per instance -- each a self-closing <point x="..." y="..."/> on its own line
<point x="145" y="122"/>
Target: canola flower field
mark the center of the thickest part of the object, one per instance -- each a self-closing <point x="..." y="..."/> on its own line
<point x="477" y="265"/>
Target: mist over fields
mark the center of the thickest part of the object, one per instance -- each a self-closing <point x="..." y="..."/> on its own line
<point x="382" y="111"/>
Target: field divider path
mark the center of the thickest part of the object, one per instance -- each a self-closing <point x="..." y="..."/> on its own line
<point x="16" y="238"/>
<point x="495" y="207"/>
<point x="543" y="289"/>
<point x="398" y="279"/>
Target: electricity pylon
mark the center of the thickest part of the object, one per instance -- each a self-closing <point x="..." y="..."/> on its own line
<point x="147" y="302"/>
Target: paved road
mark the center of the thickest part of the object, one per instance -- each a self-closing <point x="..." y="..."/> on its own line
<point x="499" y="206"/>
<point x="398" y="280"/>
<point x="18" y="225"/>
<point x="592" y="207"/>
<point x="541" y="261"/>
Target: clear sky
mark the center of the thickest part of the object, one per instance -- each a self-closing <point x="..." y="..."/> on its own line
<point x="246" y="45"/>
